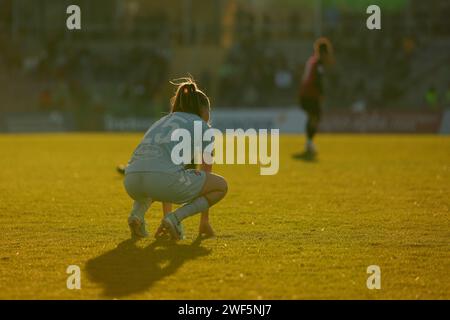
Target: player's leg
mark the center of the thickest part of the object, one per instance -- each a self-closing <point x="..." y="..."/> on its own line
<point x="166" y="207"/>
<point x="309" y="125"/>
<point x="311" y="130"/>
<point x="312" y="125"/>
<point x="136" y="219"/>
<point x="162" y="231"/>
<point x="205" y="230"/>
<point x="213" y="190"/>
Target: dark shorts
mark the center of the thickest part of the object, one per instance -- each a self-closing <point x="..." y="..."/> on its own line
<point x="311" y="106"/>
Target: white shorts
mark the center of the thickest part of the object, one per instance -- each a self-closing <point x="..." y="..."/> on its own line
<point x="179" y="187"/>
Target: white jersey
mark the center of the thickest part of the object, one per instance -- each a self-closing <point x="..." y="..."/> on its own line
<point x="153" y="154"/>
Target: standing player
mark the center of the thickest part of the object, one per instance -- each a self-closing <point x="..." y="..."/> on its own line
<point x="311" y="89"/>
<point x="151" y="175"/>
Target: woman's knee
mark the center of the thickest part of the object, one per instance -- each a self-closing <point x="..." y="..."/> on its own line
<point x="223" y="185"/>
<point x="215" y="183"/>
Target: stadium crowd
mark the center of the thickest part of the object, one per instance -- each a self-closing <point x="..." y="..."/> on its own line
<point x="123" y="74"/>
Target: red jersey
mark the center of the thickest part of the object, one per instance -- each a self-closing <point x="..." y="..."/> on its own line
<point x="311" y="86"/>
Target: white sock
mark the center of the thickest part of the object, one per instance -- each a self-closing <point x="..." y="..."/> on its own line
<point x="196" y="206"/>
<point x="140" y="208"/>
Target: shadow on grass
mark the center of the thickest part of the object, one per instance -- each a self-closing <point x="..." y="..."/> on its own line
<point x="129" y="269"/>
<point x="305" y="156"/>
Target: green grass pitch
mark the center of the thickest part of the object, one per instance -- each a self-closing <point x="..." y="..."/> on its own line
<point x="309" y="232"/>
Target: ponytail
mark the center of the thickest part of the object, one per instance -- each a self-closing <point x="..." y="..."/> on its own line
<point x="188" y="98"/>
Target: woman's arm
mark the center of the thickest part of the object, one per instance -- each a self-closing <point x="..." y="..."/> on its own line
<point x="205" y="228"/>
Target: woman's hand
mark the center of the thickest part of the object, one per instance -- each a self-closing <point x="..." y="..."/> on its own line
<point x="205" y="230"/>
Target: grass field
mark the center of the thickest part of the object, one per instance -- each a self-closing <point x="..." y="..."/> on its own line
<point x="309" y="232"/>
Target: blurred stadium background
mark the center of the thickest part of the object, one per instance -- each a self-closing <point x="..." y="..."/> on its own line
<point x="247" y="55"/>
